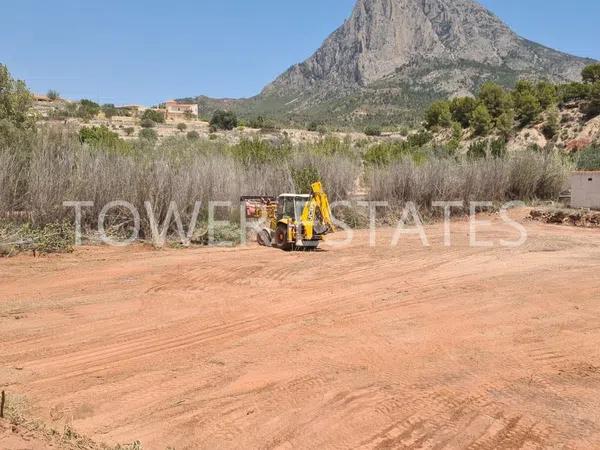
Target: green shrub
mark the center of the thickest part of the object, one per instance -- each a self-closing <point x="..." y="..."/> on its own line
<point x="454" y="142"/>
<point x="591" y="73"/>
<point x="573" y="91"/>
<point x="15" y="101"/>
<point x="506" y="123"/>
<point x="181" y="126"/>
<point x="304" y="178"/>
<point x="478" y="149"/>
<point x="385" y="153"/>
<point x="257" y="151"/>
<point x="331" y="145"/>
<point x="87" y="109"/>
<point x="223" y="120"/>
<point x="495" y="99"/>
<point x="547" y="94"/>
<point x="438" y="115"/>
<point x="148" y="134"/>
<point x="257" y="122"/>
<point x="103" y="138"/>
<point x="552" y="124"/>
<point x="228" y="233"/>
<point x="13" y="136"/>
<point x="481" y="120"/>
<point x="461" y="109"/>
<point x="110" y="111"/>
<point x="498" y="148"/>
<point x="153" y="115"/>
<point x="589" y="159"/>
<point x="261" y="123"/>
<point x="523" y="87"/>
<point x="373" y="130"/>
<point x="129" y="131"/>
<point x="527" y="106"/>
<point x="419" y="139"/>
<point x="147" y="123"/>
<point x="193" y="135"/>
<point x="404" y="131"/>
<point x="592" y="108"/>
<point x="322" y="129"/>
<point x="378" y="155"/>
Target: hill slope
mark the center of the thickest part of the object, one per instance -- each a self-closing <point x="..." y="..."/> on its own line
<point x="394" y="56"/>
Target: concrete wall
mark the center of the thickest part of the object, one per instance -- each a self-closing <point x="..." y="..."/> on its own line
<point x="585" y="190"/>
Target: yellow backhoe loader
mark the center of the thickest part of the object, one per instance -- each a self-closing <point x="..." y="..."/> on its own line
<point x="292" y="221"/>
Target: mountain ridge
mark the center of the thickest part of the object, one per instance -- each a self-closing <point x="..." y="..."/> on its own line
<point x="392" y="57"/>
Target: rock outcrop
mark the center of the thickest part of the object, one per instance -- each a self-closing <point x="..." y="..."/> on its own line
<point x="392" y="57"/>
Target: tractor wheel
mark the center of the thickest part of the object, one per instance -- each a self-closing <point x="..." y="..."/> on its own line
<point x="264" y="238"/>
<point x="281" y="238"/>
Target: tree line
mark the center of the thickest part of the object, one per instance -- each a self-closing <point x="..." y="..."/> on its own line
<point x="495" y="108"/>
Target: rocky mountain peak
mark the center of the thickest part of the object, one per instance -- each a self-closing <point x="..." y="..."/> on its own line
<point x="383" y="37"/>
<point x="391" y="58"/>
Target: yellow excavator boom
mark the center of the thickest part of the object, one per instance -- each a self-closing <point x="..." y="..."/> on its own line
<point x="316" y="217"/>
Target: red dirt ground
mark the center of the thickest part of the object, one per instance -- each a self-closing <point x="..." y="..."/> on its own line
<point x="405" y="347"/>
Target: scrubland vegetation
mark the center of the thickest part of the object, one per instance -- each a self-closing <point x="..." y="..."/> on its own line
<point x="502" y="111"/>
<point x="523" y="177"/>
<point x="42" y="166"/>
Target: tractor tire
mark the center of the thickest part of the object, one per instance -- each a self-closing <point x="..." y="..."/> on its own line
<point x="263" y="238"/>
<point x="281" y="238"/>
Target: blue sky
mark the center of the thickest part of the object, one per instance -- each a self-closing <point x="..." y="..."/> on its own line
<point x="132" y="51"/>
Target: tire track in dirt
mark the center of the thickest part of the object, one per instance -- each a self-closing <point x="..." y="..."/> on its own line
<point x="344" y="348"/>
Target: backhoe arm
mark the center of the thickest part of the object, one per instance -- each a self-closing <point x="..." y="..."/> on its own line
<point x="316" y="217"/>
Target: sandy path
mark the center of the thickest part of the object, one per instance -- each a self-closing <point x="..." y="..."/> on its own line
<point x="353" y="347"/>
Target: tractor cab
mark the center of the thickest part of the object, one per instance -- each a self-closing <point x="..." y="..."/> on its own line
<point x="291" y="206"/>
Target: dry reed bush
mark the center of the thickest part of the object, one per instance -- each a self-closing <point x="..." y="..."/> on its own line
<point x="56" y="167"/>
<point x="59" y="168"/>
<point x="541" y="175"/>
<point x="52" y="160"/>
<point x="10" y="180"/>
<point x="337" y="172"/>
<point x="524" y="176"/>
<point x="14" y="160"/>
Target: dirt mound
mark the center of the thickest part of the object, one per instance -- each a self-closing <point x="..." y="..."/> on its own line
<point x="574" y="217"/>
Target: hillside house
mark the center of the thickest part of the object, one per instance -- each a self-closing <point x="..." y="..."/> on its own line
<point x="585" y="189"/>
<point x="175" y="110"/>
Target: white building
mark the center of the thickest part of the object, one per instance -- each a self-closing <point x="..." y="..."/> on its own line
<point x="585" y="189"/>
